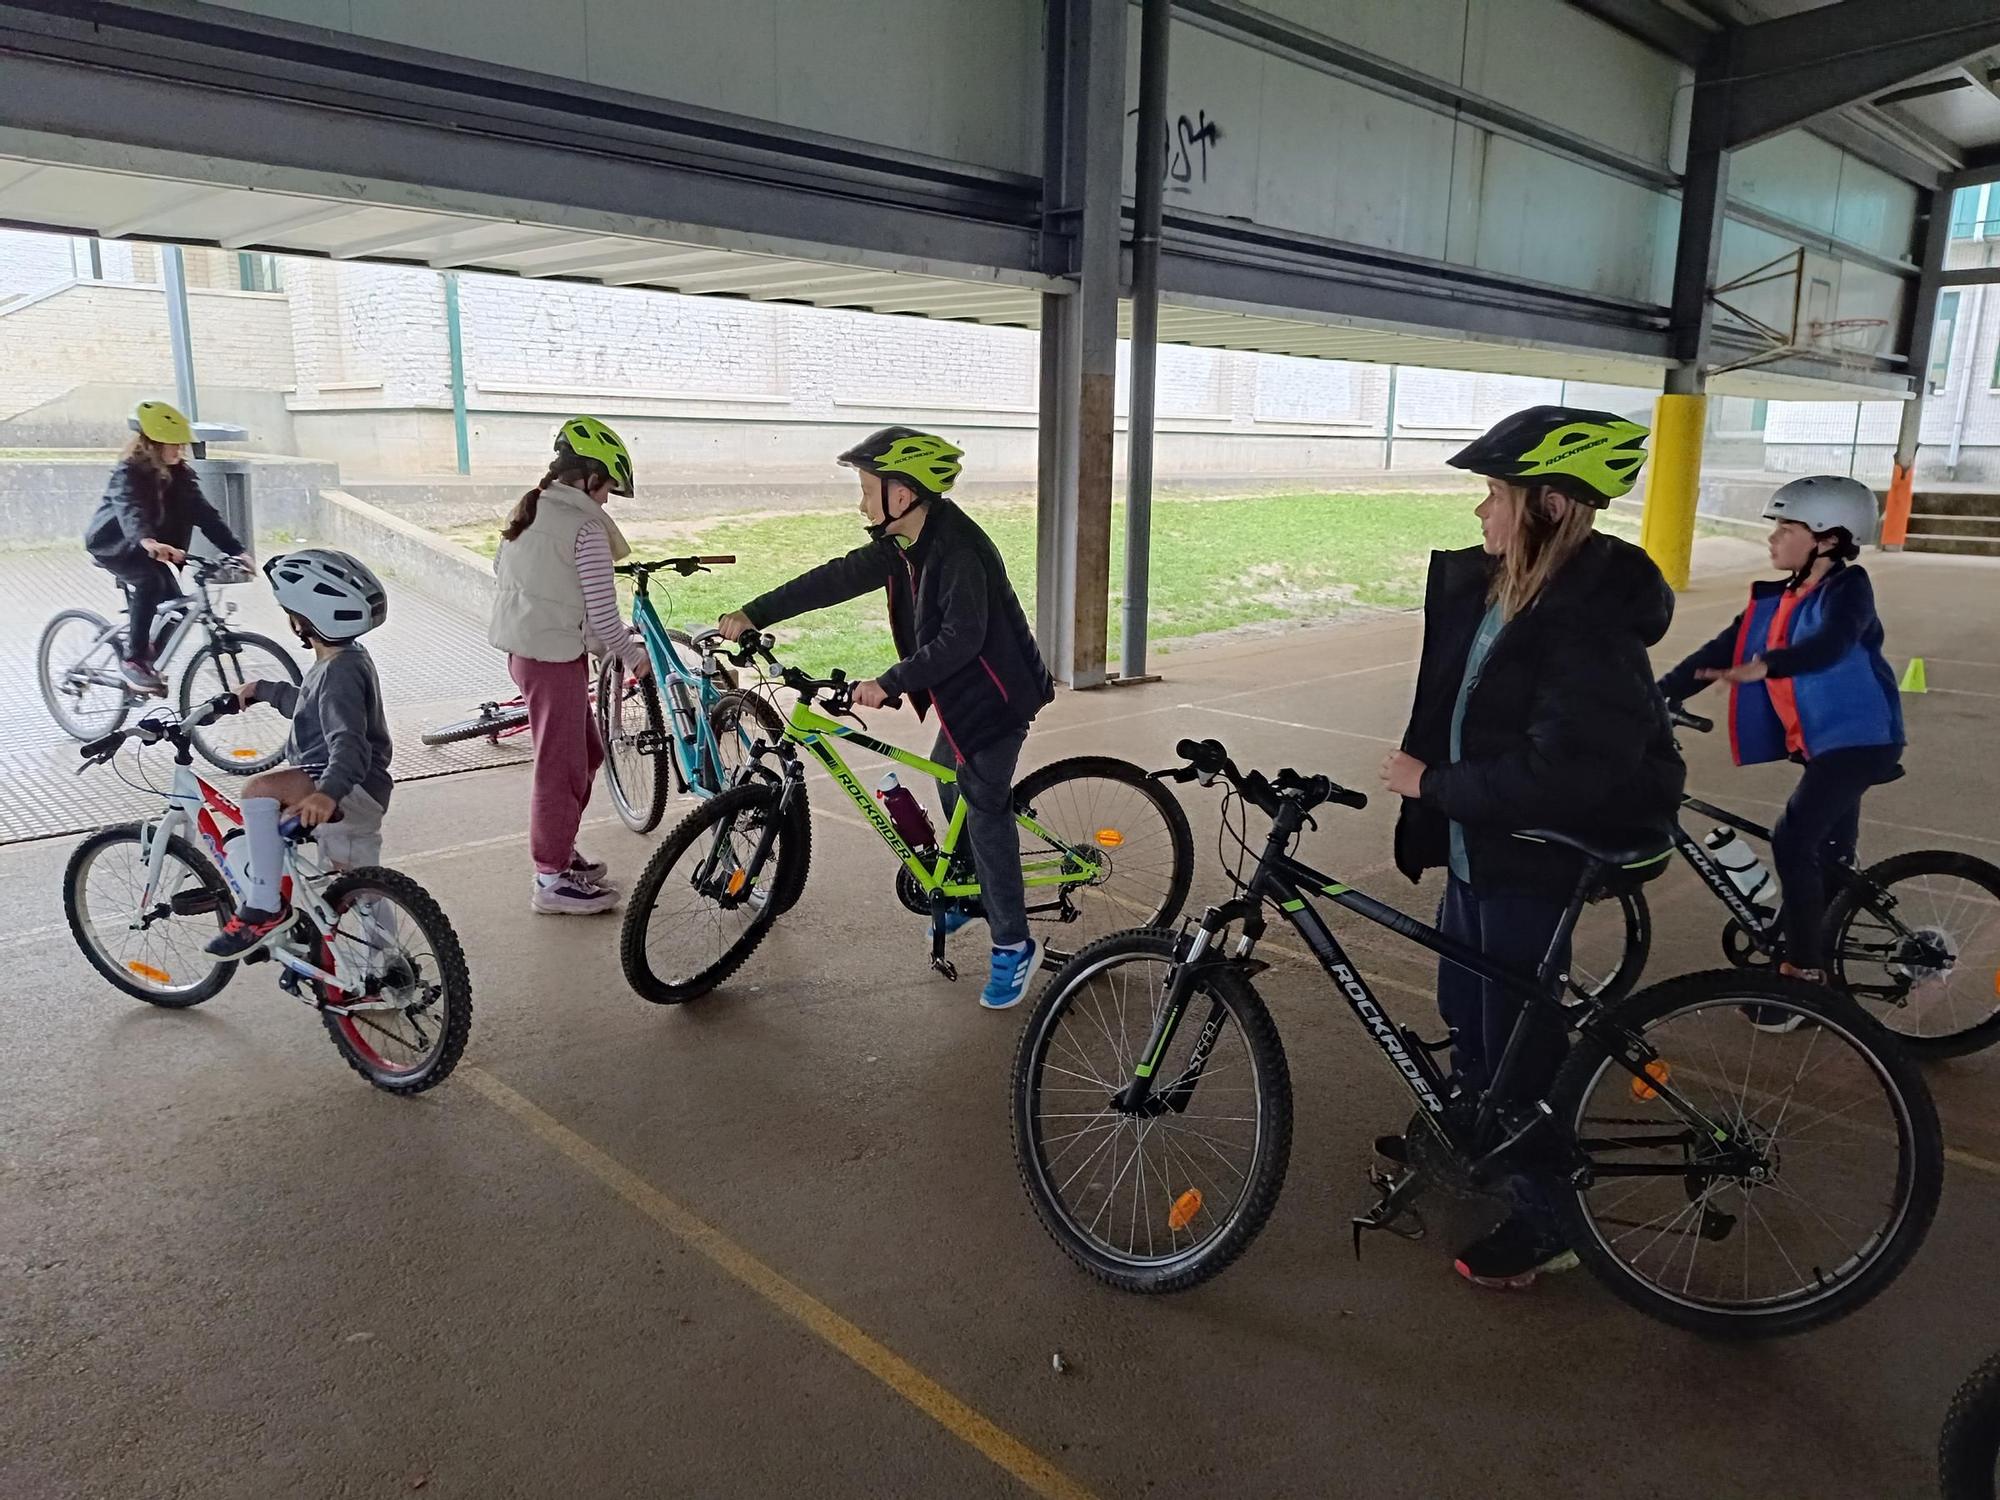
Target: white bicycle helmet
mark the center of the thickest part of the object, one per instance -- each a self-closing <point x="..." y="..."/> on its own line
<point x="336" y="594"/>
<point x="1827" y="502"/>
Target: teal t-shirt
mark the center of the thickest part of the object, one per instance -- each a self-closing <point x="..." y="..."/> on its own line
<point x="1489" y="630"/>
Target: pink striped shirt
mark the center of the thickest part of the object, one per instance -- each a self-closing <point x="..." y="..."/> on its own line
<point x="609" y="633"/>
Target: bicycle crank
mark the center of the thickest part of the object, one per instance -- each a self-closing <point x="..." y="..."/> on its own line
<point x="1391" y="1213"/>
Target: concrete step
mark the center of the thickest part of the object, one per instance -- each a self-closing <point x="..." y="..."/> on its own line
<point x="1961" y="546"/>
<point x="1939" y="525"/>
<point x="1956" y="503"/>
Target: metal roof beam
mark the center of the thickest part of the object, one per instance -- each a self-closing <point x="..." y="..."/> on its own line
<point x="308" y="218"/>
<point x="395" y="239"/>
<point x="1780" y="73"/>
<point x="131" y="222"/>
<point x="519" y="244"/>
<point x="1659" y="28"/>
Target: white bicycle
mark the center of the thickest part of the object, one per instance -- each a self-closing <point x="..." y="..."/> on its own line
<point x="367" y="948"/>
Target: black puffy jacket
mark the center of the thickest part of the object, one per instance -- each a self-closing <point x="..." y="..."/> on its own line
<point x="135" y="508"/>
<point x="1564" y="729"/>
<point x="959" y="628"/>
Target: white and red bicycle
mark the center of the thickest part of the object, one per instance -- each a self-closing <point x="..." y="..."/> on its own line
<point x="367" y="948"/>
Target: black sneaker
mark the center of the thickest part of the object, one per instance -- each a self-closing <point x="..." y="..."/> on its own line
<point x="245" y="930"/>
<point x="1511" y="1256"/>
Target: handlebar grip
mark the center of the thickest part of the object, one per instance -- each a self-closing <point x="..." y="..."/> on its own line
<point x="1686" y="720"/>
<point x="1347" y="797"/>
<point x="1207" y="756"/>
<point x="894" y="701"/>
<point x="717" y="561"/>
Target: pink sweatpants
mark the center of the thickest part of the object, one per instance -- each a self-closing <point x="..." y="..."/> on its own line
<point x="568" y="752"/>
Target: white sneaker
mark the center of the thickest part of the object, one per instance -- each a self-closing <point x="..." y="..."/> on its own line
<point x="587" y="870"/>
<point x="571" y="898"/>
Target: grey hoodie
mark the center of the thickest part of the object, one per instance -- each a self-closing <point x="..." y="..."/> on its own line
<point x="340" y="735"/>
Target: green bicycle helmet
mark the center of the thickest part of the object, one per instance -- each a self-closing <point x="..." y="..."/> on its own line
<point x="162" y="423"/>
<point x="589" y="439"/>
<point x="921" y="459"/>
<point x="1591" y="456"/>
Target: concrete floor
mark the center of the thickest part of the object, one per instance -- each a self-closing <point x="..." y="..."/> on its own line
<point x="229" y="1268"/>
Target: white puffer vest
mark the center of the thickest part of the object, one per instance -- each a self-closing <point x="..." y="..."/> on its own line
<point x="538" y="607"/>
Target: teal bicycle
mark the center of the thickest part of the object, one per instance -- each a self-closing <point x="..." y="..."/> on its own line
<point x="1103" y="847"/>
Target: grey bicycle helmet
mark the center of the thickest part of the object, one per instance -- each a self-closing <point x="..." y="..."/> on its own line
<point x="336" y="594"/>
<point x="1827" y="502"/>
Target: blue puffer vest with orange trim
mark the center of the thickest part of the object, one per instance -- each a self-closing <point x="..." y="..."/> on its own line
<point x="1854" y="702"/>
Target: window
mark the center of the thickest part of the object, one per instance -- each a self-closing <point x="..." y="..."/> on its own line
<point x="1943" y="331"/>
<point x="1964" y="212"/>
<point x="257" y="273"/>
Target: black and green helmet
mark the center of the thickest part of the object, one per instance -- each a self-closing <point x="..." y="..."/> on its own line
<point x="595" y="443"/>
<point x="1591" y="456"/>
<point x="923" y="459"/>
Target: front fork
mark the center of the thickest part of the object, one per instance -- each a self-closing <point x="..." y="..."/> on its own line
<point x="1191" y="950"/>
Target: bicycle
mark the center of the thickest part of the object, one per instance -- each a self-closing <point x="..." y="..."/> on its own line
<point x="739" y="861"/>
<point x="1671" y="1127"/>
<point x="367" y="948"/>
<point x="1969" y="1446"/>
<point x="77" y="662"/>
<point x="1896" y="933"/>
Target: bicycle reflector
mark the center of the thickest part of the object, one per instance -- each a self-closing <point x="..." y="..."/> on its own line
<point x="147" y="971"/>
<point x="1659" y="1072"/>
<point x="1185" y="1208"/>
<point x="242" y="752"/>
<point x="1110" y="838"/>
<point x="738" y="878"/>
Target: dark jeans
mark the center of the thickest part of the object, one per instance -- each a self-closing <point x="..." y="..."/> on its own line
<point x="1512" y="927"/>
<point x="1821" y="825"/>
<point x="152" y="584"/>
<point x="987" y="783"/>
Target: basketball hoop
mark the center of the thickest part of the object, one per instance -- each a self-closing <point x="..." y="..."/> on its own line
<point x="1791" y="323"/>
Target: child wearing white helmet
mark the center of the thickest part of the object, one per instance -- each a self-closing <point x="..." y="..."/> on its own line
<point x="339" y="747"/>
<point x="1808" y="682"/>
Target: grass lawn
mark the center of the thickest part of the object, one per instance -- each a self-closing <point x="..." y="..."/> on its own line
<point x="1217" y="565"/>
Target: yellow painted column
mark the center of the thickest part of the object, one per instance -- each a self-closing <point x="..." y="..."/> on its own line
<point x="1666" y="526"/>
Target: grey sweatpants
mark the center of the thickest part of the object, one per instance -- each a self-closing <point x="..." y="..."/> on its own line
<point x="986" y="781"/>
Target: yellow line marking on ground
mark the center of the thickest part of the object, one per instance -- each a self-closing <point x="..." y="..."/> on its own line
<point x="899" y="1375"/>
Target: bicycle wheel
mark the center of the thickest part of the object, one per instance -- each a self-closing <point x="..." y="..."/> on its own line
<point x="738" y="720"/>
<point x="636" y="778"/>
<point x="1916" y="939"/>
<point x="1828" y="1195"/>
<point x="159" y="960"/>
<point x="699" y="910"/>
<point x="1159" y="1202"/>
<point x="389" y="930"/>
<point x="1112" y="815"/>
<point x="492" y="721"/>
<point x="253" y="740"/>
<point x="1969" y="1447"/>
<point x="1613" y="937"/>
<point x="76" y="662"/>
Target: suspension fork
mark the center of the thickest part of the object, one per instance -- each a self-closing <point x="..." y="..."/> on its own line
<point x="1192" y="956"/>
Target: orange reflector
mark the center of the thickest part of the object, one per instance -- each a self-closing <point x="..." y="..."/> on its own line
<point x="147" y="971"/>
<point x="737" y="880"/>
<point x="239" y="753"/>
<point x="1111" y="838"/>
<point x="1185" y="1208"/>
<point x="1659" y="1072"/>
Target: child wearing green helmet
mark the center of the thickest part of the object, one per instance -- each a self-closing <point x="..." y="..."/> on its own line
<point x="556" y="601"/>
<point x="966" y="651"/>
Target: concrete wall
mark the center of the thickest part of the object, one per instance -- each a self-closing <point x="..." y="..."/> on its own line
<point x="51" y="500"/>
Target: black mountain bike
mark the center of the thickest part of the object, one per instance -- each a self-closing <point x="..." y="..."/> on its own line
<point x="1914" y="937"/>
<point x="1712" y="1175"/>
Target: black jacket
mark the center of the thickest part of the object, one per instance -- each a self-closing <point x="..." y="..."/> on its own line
<point x="1564" y="728"/>
<point x="961" y="633"/>
<point x="134" y="509"/>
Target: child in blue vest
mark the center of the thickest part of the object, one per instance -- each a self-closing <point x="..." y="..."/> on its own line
<point x="1807" y="682"/>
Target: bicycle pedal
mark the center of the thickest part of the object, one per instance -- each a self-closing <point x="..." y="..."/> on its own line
<point x="947" y="968"/>
<point x="257" y="956"/>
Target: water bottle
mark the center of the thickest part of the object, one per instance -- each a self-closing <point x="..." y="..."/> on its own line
<point x="906" y="813"/>
<point x="1745" y="871"/>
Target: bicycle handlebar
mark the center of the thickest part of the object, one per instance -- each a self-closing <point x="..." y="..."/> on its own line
<point x="685" y="566"/>
<point x="152" y="731"/>
<point x="1207" y="759"/>
<point x="834" y="695"/>
<point x="1685" y="720"/>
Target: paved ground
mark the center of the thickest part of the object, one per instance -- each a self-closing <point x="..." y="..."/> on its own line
<point x="231" y="1269"/>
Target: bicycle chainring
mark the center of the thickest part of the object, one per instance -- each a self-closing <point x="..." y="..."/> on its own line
<point x="1741" y="949"/>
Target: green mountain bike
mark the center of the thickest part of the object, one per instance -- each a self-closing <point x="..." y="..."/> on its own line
<point x="1103" y="847"/>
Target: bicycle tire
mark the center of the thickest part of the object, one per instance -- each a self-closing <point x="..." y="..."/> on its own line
<point x="455" y="987"/>
<point x="639" y="790"/>
<point x="197" y="864"/>
<point x="1969" y="1445"/>
<point x="492" y="720"/>
<point x="1850" y="905"/>
<point x="724" y="718"/>
<point x="110" y="720"/>
<point x="1638" y="923"/>
<point x="1919" y="1145"/>
<point x="1043" y="785"/>
<point x="717" y="816"/>
<point x="241" y="643"/>
<point x="1266" y="1180"/>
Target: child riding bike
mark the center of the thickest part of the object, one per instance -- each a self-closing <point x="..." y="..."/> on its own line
<point x="149" y="512"/>
<point x="556" y="600"/>
<point x="339" y="746"/>
<point x="1807" y="682"/>
<point x="966" y="649"/>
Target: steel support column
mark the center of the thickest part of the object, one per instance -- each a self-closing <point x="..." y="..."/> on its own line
<point x="180" y="336"/>
<point x="1150" y="165"/>
<point x="1917" y="337"/>
<point x="1080" y="338"/>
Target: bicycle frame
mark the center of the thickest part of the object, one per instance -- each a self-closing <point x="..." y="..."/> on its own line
<point x="821" y="736"/>
<point x="697" y="757"/>
<point x="1764" y="939"/>
<point x="196" y="611"/>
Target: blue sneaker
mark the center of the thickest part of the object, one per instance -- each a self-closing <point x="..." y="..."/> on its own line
<point x="1012" y="972"/>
